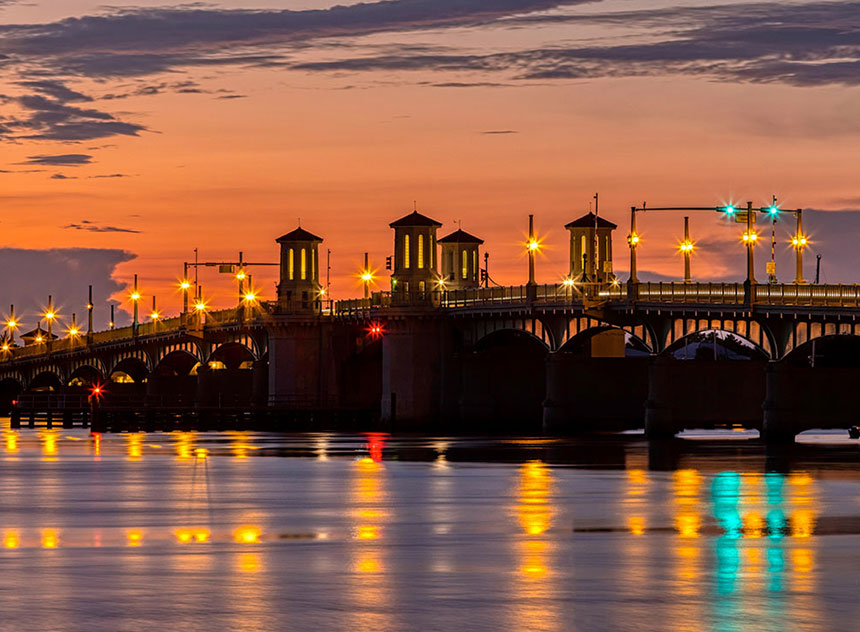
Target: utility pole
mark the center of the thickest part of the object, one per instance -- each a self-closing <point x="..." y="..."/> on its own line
<point x="531" y="250"/>
<point x="817" y="268"/>
<point x="687" y="250"/>
<point x="771" y="267"/>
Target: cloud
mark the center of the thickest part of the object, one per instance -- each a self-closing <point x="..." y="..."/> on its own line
<point x="119" y="42"/>
<point x="87" y="225"/>
<point x="61" y="176"/>
<point x="797" y="44"/>
<point x="65" y="274"/>
<point x="109" y="175"/>
<point x="48" y="115"/>
<point x="60" y="160"/>
<point x="499" y="132"/>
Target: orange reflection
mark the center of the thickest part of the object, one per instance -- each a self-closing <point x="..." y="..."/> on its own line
<point x="97" y="444"/>
<point x="534" y="510"/>
<point x="247" y="534"/>
<point x="188" y="535"/>
<point x="49" y="444"/>
<point x="753" y="524"/>
<point x="184" y="445"/>
<point x="134" y="446"/>
<point x="135" y="537"/>
<point x="11" y="441"/>
<point x="11" y="540"/>
<point x="249" y="562"/>
<point x="50" y="539"/>
<point x="375" y="445"/>
<point x="636" y="524"/>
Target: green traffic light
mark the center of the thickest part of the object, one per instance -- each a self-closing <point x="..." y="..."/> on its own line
<point x="730" y="210"/>
<point x="773" y="210"/>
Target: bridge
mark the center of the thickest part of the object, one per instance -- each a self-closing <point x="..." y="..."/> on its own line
<point x="451" y="350"/>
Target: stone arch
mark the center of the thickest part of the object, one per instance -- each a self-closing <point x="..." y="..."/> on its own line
<point x="755" y="351"/>
<point x="132" y="366"/>
<point x="85" y="375"/>
<point x="533" y="327"/>
<point x="579" y="325"/>
<point x="750" y="330"/>
<point x="131" y="354"/>
<point x="245" y="340"/>
<point x="95" y="364"/>
<point x="232" y="354"/>
<point x="177" y="362"/>
<point x="805" y="331"/>
<point x="48" y="378"/>
<point x="571" y="341"/>
<point x="831" y="351"/>
<point x="189" y="347"/>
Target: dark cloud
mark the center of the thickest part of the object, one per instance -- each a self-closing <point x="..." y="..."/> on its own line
<point x="89" y="226"/>
<point x="65" y="274"/>
<point x="110" y="175"/>
<point x="62" y="176"/>
<point x="48" y="116"/>
<point x="60" y="160"/>
<point x="500" y="132"/>
<point x="798" y="44"/>
<point x="120" y="43"/>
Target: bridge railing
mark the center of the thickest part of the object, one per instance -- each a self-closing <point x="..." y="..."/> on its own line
<point x="833" y="295"/>
<point x="679" y="292"/>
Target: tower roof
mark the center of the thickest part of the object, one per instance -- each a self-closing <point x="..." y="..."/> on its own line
<point x="588" y="220"/>
<point x="415" y="219"/>
<point x="299" y="234"/>
<point x="460" y="237"/>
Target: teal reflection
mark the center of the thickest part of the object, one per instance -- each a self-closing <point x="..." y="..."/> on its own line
<point x="775" y="568"/>
<point x="728" y="564"/>
<point x="776" y="524"/>
<point x="725" y="494"/>
<point x="775" y="482"/>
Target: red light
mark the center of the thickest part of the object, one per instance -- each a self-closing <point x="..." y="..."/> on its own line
<point x="375" y="445"/>
<point x="97" y="391"/>
<point x="375" y="330"/>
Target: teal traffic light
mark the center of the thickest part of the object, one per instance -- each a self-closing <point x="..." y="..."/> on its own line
<point x="773" y="210"/>
<point x="729" y="210"/>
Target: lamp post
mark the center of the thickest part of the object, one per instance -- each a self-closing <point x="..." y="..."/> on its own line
<point x="633" y="241"/>
<point x="112" y="322"/>
<point x="366" y="275"/>
<point x="50" y="315"/>
<point x="750" y="238"/>
<point x="11" y="324"/>
<point x="135" y="299"/>
<point x="799" y="242"/>
<point x="687" y="251"/>
<point x="532" y="249"/>
<point x="90" y="316"/>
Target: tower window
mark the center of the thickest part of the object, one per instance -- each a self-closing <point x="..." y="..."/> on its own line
<point x="475" y="263"/>
<point x="420" y="251"/>
<point x="313" y="263"/>
<point x="304" y="264"/>
<point x="291" y="263"/>
<point x="406" y="251"/>
<point x="465" y="264"/>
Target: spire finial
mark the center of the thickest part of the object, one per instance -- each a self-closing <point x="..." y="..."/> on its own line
<point x="415" y="206"/>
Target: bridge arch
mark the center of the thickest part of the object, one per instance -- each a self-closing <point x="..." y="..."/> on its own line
<point x="232" y="355"/>
<point x="536" y="328"/>
<point x="85" y="375"/>
<point x="633" y="343"/>
<point x="46" y="379"/>
<point x="585" y="325"/>
<point x="176" y="349"/>
<point x="245" y="340"/>
<point x="716" y="344"/>
<point x="827" y="351"/>
<point x="805" y="331"/>
<point x="139" y="357"/>
<point x="750" y="330"/>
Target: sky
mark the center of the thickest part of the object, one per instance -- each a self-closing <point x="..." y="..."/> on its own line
<point x="134" y="132"/>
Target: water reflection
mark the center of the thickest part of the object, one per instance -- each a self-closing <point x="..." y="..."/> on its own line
<point x="534" y="586"/>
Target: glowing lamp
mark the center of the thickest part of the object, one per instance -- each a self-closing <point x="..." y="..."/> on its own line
<point x="250" y="297"/>
<point x="155" y="315"/>
<point x="135" y="296"/>
<point x="11" y="324"/>
<point x="200" y="307"/>
<point x="634" y="240"/>
<point x="74" y="331"/>
<point x="367" y="277"/>
<point x="729" y="210"/>
<point x="568" y="282"/>
<point x="241" y="275"/>
<point x="50" y="315"/>
<point x="534" y="245"/>
<point x="773" y="210"/>
<point x="185" y="285"/>
<point x="39" y="338"/>
<point x="750" y="237"/>
<point x="799" y="241"/>
<point x="5" y="347"/>
<point x="686" y="246"/>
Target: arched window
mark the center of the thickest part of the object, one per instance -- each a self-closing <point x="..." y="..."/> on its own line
<point x="406" y="251"/>
<point x="465" y="270"/>
<point x="291" y="263"/>
<point x="420" y="251"/>
<point x="304" y="264"/>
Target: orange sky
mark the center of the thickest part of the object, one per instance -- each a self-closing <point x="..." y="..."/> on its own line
<point x="348" y="152"/>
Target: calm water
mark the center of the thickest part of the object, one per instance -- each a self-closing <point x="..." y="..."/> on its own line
<point x="247" y="531"/>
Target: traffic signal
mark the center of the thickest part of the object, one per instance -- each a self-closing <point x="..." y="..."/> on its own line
<point x="388" y="262"/>
<point x="729" y="210"/>
<point x="483" y="276"/>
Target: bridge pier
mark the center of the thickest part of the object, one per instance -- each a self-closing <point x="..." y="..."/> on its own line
<point x="412" y="363"/>
<point x="582" y="393"/>
<point x="301" y="372"/>
<point x="659" y="409"/>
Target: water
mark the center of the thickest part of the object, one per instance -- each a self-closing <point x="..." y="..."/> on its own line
<point x="248" y="531"/>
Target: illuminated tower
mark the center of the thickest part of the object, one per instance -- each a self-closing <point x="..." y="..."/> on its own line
<point x="414" y="254"/>
<point x="590" y="258"/>
<point x="460" y="260"/>
<point x="299" y="289"/>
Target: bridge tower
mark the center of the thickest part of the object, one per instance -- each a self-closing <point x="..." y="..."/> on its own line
<point x="299" y="287"/>
<point x="414" y="254"/>
<point x="590" y="257"/>
<point x="460" y="260"/>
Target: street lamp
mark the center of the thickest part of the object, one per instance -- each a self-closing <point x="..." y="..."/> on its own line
<point x="135" y="299"/>
<point x="686" y="248"/>
<point x="366" y="275"/>
<point x="11" y="324"/>
<point x="532" y="248"/>
<point x="50" y="315"/>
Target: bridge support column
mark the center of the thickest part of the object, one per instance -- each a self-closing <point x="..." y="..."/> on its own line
<point x="301" y="371"/>
<point x="779" y="413"/>
<point x="659" y="411"/>
<point x="206" y="393"/>
<point x="260" y="383"/>
<point x="412" y="364"/>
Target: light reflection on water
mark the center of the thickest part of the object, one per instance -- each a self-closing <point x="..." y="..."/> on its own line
<point x="245" y="531"/>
